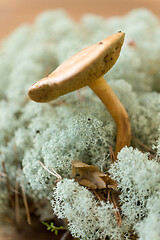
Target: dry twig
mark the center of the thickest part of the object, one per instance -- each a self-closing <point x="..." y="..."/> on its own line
<point x="143" y="145"/>
<point x="26" y="204"/>
<point x="113" y="158"/>
<point x="17" y="208"/>
<point x="53" y="173"/>
<point x="8" y="185"/>
<point x="116" y="212"/>
<point x="97" y="195"/>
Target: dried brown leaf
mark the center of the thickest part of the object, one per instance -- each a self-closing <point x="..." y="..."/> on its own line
<point x="90" y="176"/>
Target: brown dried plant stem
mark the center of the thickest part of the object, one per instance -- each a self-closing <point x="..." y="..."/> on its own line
<point x="101" y="88"/>
<point x="142" y="144"/>
<point x="17" y="207"/>
<point x="117" y="213"/>
<point x="26" y="204"/>
<point x="113" y="159"/>
<point x="8" y="185"/>
<point x="95" y="193"/>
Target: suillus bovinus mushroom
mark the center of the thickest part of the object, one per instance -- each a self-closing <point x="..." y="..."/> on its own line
<point x="86" y="68"/>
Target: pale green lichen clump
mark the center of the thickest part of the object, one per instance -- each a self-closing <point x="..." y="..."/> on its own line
<point x="78" y="205"/>
<point x="139" y="183"/>
<point x="77" y="126"/>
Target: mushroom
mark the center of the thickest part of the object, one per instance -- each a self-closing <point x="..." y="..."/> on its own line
<point x="86" y="68"/>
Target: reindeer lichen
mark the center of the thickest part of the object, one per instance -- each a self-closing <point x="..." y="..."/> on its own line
<point x="78" y="127"/>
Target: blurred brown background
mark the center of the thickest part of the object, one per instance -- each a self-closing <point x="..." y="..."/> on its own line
<point x="15" y="12"/>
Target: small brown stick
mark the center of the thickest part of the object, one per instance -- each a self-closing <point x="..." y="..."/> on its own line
<point x="26" y="204"/>
<point x="8" y="185"/>
<point x="97" y="195"/>
<point x="108" y="197"/>
<point x="113" y="159"/>
<point x="7" y="181"/>
<point x="17" y="208"/>
<point x="53" y="173"/>
<point x="143" y="145"/>
<point x="117" y="213"/>
<point x="14" y="190"/>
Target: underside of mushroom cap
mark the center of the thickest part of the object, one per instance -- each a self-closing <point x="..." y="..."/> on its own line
<point x="80" y="70"/>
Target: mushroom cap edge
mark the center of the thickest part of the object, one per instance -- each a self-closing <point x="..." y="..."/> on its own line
<point x="80" y="70"/>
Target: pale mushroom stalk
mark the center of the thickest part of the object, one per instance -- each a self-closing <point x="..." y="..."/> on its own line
<point x="101" y="88"/>
<point x="87" y="68"/>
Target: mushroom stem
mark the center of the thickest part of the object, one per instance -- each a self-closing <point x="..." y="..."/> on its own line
<point x="116" y="109"/>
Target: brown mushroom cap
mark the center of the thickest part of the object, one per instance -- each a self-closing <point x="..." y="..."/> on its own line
<point x="80" y="70"/>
